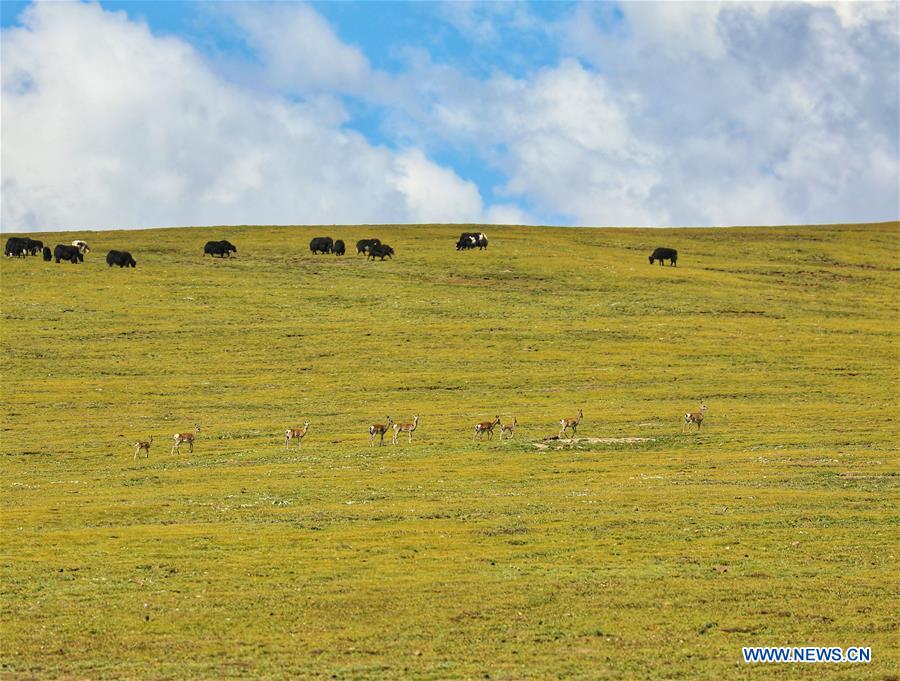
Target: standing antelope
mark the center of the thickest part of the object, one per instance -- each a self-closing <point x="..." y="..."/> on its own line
<point x="379" y="429"/>
<point x="508" y="429"/>
<point x="295" y="433"/>
<point x="185" y="437"/>
<point x="694" y="417"/>
<point x="143" y="446"/>
<point x="485" y="427"/>
<point x="407" y="428"/>
<point x="565" y="424"/>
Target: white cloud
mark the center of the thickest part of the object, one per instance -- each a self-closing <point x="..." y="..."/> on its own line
<point x="697" y="114"/>
<point x="486" y="22"/>
<point x="470" y="19"/>
<point x="299" y="50"/>
<point x="416" y="178"/>
<point x="857" y="14"/>
<point x="508" y="214"/>
<point x="106" y="125"/>
<point x="681" y="114"/>
<point x="565" y="142"/>
<point x="676" y="28"/>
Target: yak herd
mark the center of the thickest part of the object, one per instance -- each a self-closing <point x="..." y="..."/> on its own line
<point x="371" y="248"/>
<point x="73" y="253"/>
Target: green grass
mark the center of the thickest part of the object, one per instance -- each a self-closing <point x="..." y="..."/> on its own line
<point x="776" y="525"/>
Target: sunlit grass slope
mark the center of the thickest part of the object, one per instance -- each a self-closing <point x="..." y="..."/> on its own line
<point x="775" y="525"/>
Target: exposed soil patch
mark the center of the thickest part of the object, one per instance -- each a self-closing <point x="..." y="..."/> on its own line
<point x="560" y="442"/>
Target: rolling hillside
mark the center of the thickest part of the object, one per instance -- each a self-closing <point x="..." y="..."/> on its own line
<point x="636" y="552"/>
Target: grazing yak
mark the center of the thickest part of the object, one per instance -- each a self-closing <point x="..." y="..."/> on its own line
<point x="466" y="241"/>
<point x="469" y="240"/>
<point x="219" y="248"/>
<point x="20" y="246"/>
<point x="81" y="246"/>
<point x="381" y="251"/>
<point x="664" y="254"/>
<point x="339" y="248"/>
<point x="48" y="255"/>
<point x="120" y="258"/>
<point x="71" y="253"/>
<point x="363" y="245"/>
<point x="16" y="246"/>
<point x="322" y="244"/>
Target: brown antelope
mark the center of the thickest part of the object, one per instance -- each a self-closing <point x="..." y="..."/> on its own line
<point x="142" y="447"/>
<point x="185" y="437"/>
<point x="379" y="429"/>
<point x="508" y="429"/>
<point x="565" y="424"/>
<point x="485" y="427"/>
<point x="694" y="417"/>
<point x="407" y="428"/>
<point x="295" y="433"/>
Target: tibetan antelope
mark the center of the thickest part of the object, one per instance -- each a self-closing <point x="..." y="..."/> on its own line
<point x="485" y="427"/>
<point x="142" y="447"/>
<point x="379" y="429"/>
<point x="508" y="429"/>
<point x="694" y="417"/>
<point x="565" y="424"/>
<point x="185" y="437"/>
<point x="407" y="428"/>
<point x="295" y="433"/>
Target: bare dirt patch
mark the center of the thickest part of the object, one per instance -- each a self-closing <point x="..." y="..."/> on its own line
<point x="559" y="443"/>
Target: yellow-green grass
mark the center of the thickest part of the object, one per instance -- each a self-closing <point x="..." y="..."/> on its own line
<point x="775" y="525"/>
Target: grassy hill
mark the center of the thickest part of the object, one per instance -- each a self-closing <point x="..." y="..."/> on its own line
<point x="658" y="557"/>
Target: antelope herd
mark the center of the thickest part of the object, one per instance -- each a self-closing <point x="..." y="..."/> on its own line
<point x="379" y="430"/>
<point x="372" y="248"/>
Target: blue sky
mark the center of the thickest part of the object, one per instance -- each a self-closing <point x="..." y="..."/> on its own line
<point x="138" y="114"/>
